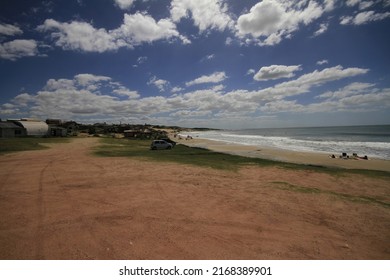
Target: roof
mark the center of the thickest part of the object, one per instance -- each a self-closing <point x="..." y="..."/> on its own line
<point x="35" y="127"/>
<point x="8" y="125"/>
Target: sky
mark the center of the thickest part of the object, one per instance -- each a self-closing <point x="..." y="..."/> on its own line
<point x="197" y="63"/>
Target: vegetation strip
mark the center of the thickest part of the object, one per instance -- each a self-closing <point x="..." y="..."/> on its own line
<point x="112" y="147"/>
<point x="352" y="198"/>
<point x="8" y="145"/>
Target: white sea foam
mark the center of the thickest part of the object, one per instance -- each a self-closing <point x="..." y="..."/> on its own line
<point x="329" y="146"/>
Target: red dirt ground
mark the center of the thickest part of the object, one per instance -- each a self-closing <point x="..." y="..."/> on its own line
<point x="64" y="203"/>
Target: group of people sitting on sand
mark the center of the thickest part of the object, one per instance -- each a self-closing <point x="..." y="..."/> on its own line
<point x="346" y="156"/>
<point x="189" y="137"/>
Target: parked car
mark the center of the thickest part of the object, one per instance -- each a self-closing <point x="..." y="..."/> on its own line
<point x="169" y="141"/>
<point x="160" y="145"/>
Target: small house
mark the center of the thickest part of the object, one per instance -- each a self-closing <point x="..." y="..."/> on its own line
<point x="10" y="130"/>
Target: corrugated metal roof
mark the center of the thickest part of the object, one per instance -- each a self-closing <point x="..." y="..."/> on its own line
<point x="8" y="125"/>
<point x="34" y="128"/>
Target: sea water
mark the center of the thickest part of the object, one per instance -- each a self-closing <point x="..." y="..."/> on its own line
<point x="373" y="140"/>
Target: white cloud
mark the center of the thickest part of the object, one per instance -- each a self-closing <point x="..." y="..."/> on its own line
<point x="321" y="62"/>
<point x="22" y="99"/>
<point x="130" y="94"/>
<point x="140" y="60"/>
<point x="316" y="78"/>
<point x="353" y="98"/>
<point x="322" y="29"/>
<point x="124" y="4"/>
<point x="302" y="84"/>
<point x="351" y="89"/>
<point x="139" y="28"/>
<point x="274" y="72"/>
<point x="271" y="21"/>
<point x="176" y="89"/>
<point x="364" y="18"/>
<point x="136" y="29"/>
<point x="208" y="57"/>
<point x="361" y="3"/>
<point x="18" y="48"/>
<point x="190" y="114"/>
<point x="60" y="84"/>
<point x="159" y="83"/>
<point x="228" y="41"/>
<point x="74" y="98"/>
<point x="216" y="77"/>
<point x="251" y="72"/>
<point x="79" y="36"/>
<point x="9" y="29"/>
<point x="351" y="3"/>
<point x="88" y="79"/>
<point x="206" y="14"/>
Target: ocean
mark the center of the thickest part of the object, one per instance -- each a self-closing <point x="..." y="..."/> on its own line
<point x="373" y="140"/>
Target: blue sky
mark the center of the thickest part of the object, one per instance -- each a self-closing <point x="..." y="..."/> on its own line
<point x="197" y="63"/>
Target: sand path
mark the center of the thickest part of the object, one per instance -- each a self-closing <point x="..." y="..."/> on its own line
<point x="64" y="203"/>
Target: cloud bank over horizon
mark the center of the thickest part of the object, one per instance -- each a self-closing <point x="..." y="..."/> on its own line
<point x="215" y="63"/>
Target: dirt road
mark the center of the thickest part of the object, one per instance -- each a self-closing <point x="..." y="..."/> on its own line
<point x="64" y="203"/>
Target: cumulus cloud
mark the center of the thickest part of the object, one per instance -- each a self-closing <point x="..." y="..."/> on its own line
<point x="159" y="83"/>
<point x="9" y="30"/>
<point x="18" y="48"/>
<point x="351" y="89"/>
<point x="353" y="97"/>
<point x="274" y="72"/>
<point x="270" y="21"/>
<point x="124" y="4"/>
<point x="85" y="94"/>
<point x="79" y="36"/>
<point x="130" y="94"/>
<point x="74" y="98"/>
<point x="88" y="79"/>
<point x="139" y="28"/>
<point x="206" y="14"/>
<point x="305" y="82"/>
<point x="136" y="29"/>
<point x="176" y="89"/>
<point x="216" y="77"/>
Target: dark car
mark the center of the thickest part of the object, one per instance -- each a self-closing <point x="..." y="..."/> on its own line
<point x="169" y="141"/>
<point x="160" y="145"/>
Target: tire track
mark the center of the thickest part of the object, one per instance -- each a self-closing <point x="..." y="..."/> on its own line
<point x="41" y="213"/>
<point x="88" y="223"/>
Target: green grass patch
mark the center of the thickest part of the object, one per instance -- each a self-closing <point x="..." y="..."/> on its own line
<point x="343" y="196"/>
<point x="8" y="145"/>
<point x="179" y="154"/>
<point x="112" y="147"/>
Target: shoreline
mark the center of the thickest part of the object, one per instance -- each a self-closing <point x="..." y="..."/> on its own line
<point x="306" y="158"/>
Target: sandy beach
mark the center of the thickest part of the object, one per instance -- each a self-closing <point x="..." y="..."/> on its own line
<point x="320" y="159"/>
<point x="66" y="203"/>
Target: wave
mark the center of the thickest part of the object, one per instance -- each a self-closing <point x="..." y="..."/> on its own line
<point x="371" y="149"/>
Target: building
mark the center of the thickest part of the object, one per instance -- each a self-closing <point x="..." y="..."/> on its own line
<point x="10" y="130"/>
<point x="33" y="127"/>
<point x="56" y="131"/>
